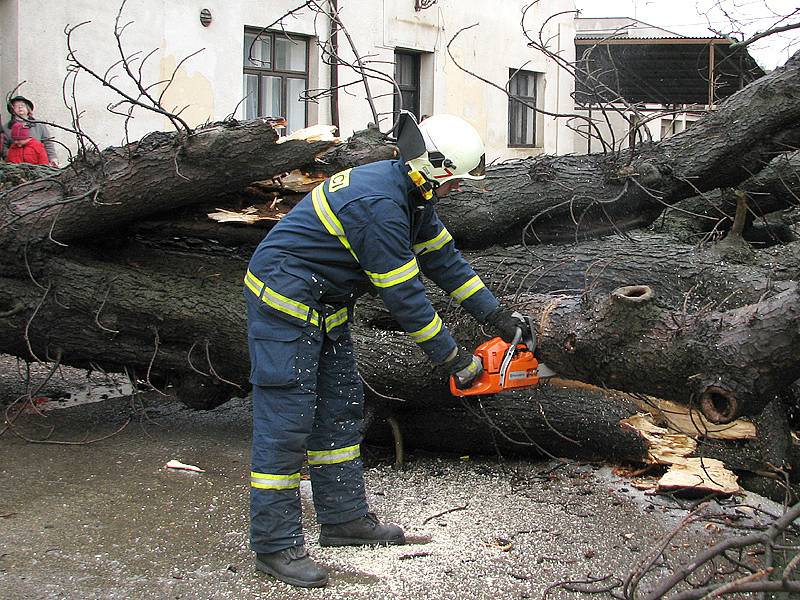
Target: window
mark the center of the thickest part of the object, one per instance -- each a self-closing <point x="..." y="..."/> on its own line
<point x="667" y="127"/>
<point x="406" y="74"/>
<point x="275" y="74"/>
<point x="522" y="117"/>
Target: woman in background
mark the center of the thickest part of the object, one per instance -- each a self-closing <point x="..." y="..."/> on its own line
<point x="21" y="110"/>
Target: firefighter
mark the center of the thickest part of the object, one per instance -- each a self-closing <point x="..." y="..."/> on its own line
<point x="372" y="229"/>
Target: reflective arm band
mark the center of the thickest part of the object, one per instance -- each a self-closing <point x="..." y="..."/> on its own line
<point x="328" y="219"/>
<point x="264" y="481"/>
<point x="435" y="244"/>
<point x="429" y="331"/>
<point x="332" y="457"/>
<point x="463" y="292"/>
<point x="399" y="275"/>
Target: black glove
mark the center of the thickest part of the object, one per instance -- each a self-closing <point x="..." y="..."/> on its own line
<point x="464" y="367"/>
<point x="506" y="322"/>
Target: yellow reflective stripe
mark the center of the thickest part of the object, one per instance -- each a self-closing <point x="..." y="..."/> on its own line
<point x="429" y="331"/>
<point x="280" y="302"/>
<point x="434" y="244"/>
<point x="396" y="276"/>
<point x="329" y="220"/>
<point x="336" y="319"/>
<point x="331" y="457"/>
<point x="472" y="285"/>
<point x="266" y="481"/>
<point x="253" y="283"/>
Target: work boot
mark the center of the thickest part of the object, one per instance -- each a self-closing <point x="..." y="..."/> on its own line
<point x="293" y="566"/>
<point x="365" y="531"/>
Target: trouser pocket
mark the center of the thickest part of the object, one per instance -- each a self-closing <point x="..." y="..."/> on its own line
<point x="274" y="349"/>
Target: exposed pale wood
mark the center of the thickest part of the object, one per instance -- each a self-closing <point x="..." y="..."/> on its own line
<point x="664" y="446"/>
<point x="686" y="473"/>
<point x="682" y="419"/>
<point x="248" y="215"/>
<point x="699" y="476"/>
<point x="300" y="182"/>
<point x="314" y="133"/>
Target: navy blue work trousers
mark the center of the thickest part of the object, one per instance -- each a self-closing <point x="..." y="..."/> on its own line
<point x="307" y="401"/>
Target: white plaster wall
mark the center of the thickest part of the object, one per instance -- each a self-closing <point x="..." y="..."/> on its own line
<point x="9" y="44"/>
<point x="210" y="83"/>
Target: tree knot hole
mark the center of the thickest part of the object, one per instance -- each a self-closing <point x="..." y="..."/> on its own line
<point x="634" y="294"/>
<point x="719" y="405"/>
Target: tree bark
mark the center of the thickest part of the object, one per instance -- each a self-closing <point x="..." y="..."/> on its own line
<point x="775" y="188"/>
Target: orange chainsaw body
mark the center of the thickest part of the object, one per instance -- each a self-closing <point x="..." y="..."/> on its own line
<point x="521" y="371"/>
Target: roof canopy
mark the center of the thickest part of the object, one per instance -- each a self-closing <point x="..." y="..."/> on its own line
<point x="673" y="70"/>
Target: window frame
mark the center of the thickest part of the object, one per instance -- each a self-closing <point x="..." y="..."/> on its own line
<point x="415" y="88"/>
<point x="526" y="111"/>
<point x="284" y="75"/>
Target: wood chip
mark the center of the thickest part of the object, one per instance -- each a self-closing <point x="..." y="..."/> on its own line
<point x="249" y="216"/>
<point x="176" y="464"/>
<point x="315" y="133"/>
<point x="699" y="476"/>
<point x="299" y="182"/>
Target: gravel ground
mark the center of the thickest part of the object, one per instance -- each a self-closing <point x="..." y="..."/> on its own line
<point x="108" y="520"/>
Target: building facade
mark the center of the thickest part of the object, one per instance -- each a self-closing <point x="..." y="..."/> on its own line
<point x="256" y="58"/>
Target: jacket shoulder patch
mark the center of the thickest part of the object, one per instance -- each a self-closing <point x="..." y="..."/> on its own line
<point x="339" y="181"/>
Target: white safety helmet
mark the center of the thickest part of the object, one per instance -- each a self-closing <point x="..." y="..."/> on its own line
<point x="453" y="150"/>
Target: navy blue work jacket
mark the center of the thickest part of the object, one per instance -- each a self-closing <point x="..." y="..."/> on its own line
<point x="366" y="229"/>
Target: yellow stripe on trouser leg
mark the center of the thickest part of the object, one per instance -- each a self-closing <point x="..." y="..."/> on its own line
<point x="266" y="481"/>
<point x="337" y="455"/>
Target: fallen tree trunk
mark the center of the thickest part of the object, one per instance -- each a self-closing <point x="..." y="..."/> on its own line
<point x="568" y="419"/>
<point x="562" y="199"/>
<point x="123" y="295"/>
<point x="728" y="364"/>
<point x="774" y="188"/>
<point x="571" y="419"/>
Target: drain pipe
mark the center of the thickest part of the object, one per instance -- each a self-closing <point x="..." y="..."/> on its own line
<point x="334" y="4"/>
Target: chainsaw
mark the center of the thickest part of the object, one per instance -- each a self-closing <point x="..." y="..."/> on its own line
<point x="505" y="366"/>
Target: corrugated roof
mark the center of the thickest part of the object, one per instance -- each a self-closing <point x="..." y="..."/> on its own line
<point x="607" y="36"/>
<point x="625" y="28"/>
<point x="665" y="71"/>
